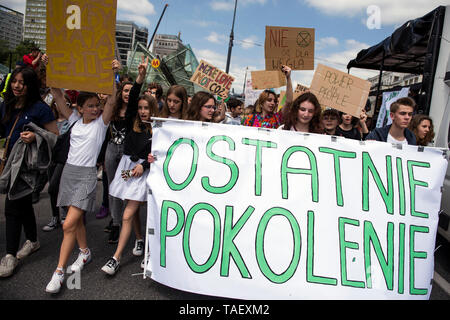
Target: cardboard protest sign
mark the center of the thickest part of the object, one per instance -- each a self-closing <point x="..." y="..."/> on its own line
<point x="244" y="213"/>
<point x="301" y="88"/>
<point x="81" y="44"/>
<point x="212" y="79"/>
<point x="268" y="79"/>
<point x="293" y="47"/>
<point x="339" y="90"/>
<point x="251" y="95"/>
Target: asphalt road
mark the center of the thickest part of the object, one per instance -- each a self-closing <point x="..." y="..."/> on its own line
<point x="33" y="274"/>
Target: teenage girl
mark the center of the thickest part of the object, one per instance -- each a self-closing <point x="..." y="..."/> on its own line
<point x="22" y="104"/>
<point x="304" y="115"/>
<point x="79" y="178"/>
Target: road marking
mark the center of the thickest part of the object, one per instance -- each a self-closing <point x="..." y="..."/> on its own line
<point x="441" y="282"/>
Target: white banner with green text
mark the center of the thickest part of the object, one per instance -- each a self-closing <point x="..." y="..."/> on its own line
<point x="254" y="213"/>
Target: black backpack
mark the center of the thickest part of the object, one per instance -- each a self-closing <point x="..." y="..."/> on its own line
<point x="61" y="149"/>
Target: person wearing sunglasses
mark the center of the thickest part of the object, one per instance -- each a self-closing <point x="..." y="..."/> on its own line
<point x="266" y="114"/>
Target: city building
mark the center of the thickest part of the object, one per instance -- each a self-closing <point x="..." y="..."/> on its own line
<point x="128" y="34"/>
<point x="35" y="24"/>
<point x="166" y="44"/>
<point x="11" y="26"/>
<point x="393" y="79"/>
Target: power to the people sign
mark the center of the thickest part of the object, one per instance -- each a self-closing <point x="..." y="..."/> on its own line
<point x="247" y="213"/>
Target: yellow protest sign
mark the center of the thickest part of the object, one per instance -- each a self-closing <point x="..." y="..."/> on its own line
<point x="212" y="79"/>
<point x="80" y="44"/>
<point x="339" y="90"/>
<point x="293" y="47"/>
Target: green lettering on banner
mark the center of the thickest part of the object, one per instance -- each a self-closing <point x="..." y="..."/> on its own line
<point x="344" y="245"/>
<point x="230" y="163"/>
<point x="387" y="264"/>
<point x="387" y="195"/>
<point x="164" y="233"/>
<point x="259" y="144"/>
<point x="401" y="258"/>
<point x="216" y="238"/>
<point x="285" y="170"/>
<point x="172" y="185"/>
<point x="415" y="255"/>
<point x="260" y="255"/>
<point x="401" y="186"/>
<point x="229" y="249"/>
<point x="337" y="154"/>
<point x="412" y="186"/>
<point x="310" y="277"/>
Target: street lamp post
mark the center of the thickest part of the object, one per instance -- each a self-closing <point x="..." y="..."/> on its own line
<point x="230" y="46"/>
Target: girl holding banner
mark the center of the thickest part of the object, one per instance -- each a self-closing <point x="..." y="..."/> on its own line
<point x="130" y="179"/>
<point x="203" y="108"/>
<point x="304" y="115"/>
<point x="79" y="178"/>
<point x="176" y="104"/>
<point x="265" y="115"/>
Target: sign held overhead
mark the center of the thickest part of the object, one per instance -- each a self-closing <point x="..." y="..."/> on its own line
<point x="339" y="90"/>
<point x="293" y="47"/>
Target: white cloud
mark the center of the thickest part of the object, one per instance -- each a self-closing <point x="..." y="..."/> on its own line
<point x="326" y="42"/>
<point x="392" y="12"/>
<point x="222" y="6"/>
<point x="249" y="42"/>
<point x="229" y="5"/>
<point x="214" y="37"/>
<point x="136" y="11"/>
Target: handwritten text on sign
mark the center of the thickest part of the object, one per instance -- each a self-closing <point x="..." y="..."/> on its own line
<point x="80" y="44"/>
<point x="282" y="215"/>
<point x="293" y="47"/>
<point x="212" y="79"/>
<point x="339" y="90"/>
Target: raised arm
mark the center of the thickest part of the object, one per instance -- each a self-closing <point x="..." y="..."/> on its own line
<point x="289" y="91"/>
<point x="133" y="98"/>
<point x="111" y="100"/>
<point x="64" y="110"/>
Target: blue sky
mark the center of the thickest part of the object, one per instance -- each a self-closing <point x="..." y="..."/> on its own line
<point x="341" y="29"/>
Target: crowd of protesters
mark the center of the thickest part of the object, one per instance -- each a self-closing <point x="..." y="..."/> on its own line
<point x="62" y="137"/>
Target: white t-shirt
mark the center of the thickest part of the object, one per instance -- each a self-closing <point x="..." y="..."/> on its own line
<point x="391" y="139"/>
<point x="86" y="140"/>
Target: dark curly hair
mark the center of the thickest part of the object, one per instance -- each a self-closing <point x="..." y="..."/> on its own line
<point x="292" y="114"/>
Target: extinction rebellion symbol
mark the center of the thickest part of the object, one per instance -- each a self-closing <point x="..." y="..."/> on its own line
<point x="303" y="39"/>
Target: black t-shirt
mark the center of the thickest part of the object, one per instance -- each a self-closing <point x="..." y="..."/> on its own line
<point x="349" y="134"/>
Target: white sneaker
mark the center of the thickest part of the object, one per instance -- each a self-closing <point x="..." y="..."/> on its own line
<point x="138" y="249"/>
<point x="81" y="261"/>
<point x="27" y="249"/>
<point x="55" y="283"/>
<point x="7" y="265"/>
<point x="111" y="266"/>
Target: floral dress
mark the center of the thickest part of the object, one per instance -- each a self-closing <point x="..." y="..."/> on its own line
<point x="271" y="121"/>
